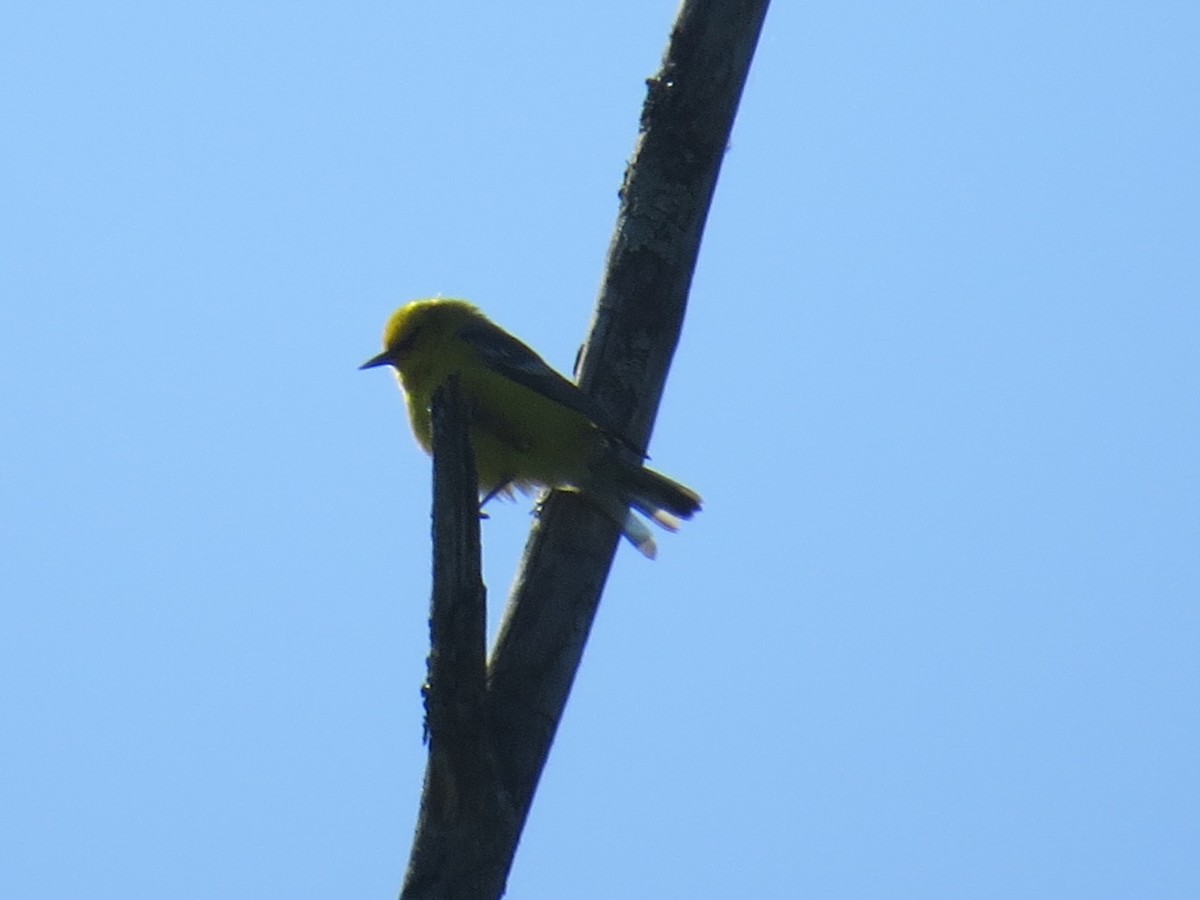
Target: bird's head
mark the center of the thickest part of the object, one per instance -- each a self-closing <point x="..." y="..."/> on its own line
<point x="421" y="323"/>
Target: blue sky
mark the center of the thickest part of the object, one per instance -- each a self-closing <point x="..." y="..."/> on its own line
<point x="934" y="634"/>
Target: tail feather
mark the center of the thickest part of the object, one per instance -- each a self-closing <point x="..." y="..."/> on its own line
<point x="635" y="530"/>
<point x="651" y="493"/>
<point x="659" y="497"/>
<point x="638" y="534"/>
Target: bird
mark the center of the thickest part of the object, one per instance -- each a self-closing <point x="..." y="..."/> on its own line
<point x="530" y="426"/>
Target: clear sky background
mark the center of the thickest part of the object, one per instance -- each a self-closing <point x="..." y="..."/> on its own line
<point x="935" y="634"/>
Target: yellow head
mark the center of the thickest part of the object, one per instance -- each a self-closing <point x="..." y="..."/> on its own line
<point x="416" y="329"/>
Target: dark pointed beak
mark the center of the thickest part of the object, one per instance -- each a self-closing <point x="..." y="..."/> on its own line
<point x="383" y="359"/>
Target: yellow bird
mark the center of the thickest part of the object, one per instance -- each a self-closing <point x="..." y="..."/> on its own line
<point x="530" y="426"/>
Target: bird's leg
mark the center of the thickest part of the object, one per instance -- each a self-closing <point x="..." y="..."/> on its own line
<point x="498" y="489"/>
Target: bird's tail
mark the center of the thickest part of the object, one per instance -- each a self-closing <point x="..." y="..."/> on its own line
<point x="664" y="500"/>
<point x="655" y="495"/>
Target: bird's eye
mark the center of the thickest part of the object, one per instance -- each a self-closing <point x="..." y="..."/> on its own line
<point x="407" y="342"/>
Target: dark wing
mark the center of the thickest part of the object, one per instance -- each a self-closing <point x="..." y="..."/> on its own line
<point x="504" y="354"/>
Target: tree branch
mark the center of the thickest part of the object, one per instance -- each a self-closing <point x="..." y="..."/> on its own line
<point x="668" y="187"/>
<point x="454" y="853"/>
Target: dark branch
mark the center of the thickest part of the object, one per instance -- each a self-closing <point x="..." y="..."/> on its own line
<point x="665" y="198"/>
<point x="454" y="854"/>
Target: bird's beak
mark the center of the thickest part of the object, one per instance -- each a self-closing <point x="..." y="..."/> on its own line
<point x="386" y="358"/>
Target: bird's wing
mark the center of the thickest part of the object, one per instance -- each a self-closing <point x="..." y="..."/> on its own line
<point x="507" y="356"/>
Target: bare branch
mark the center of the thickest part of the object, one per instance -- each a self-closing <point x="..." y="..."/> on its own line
<point x="668" y="188"/>
<point x="454" y="854"/>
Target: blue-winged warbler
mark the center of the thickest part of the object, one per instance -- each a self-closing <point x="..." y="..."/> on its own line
<point x="530" y="426"/>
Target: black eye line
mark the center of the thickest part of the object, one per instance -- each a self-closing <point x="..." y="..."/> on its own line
<point x="408" y="342"/>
